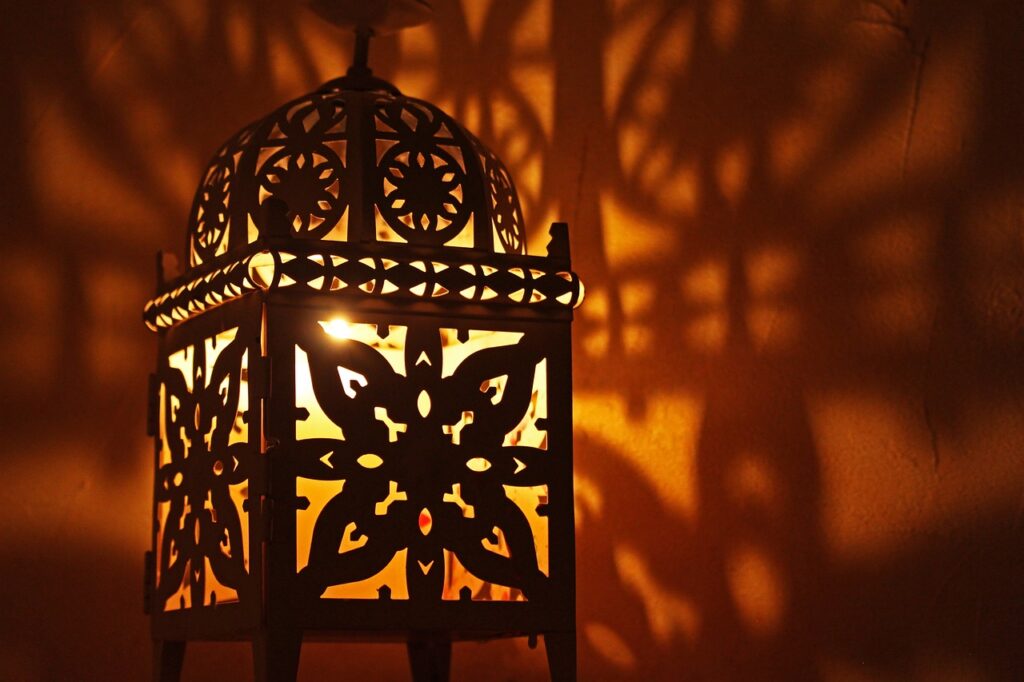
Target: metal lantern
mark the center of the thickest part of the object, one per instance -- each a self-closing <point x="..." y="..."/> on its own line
<point x="362" y="407"/>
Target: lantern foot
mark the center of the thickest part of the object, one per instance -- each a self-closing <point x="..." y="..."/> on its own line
<point x="561" y="651"/>
<point x="275" y="655"/>
<point x="430" y="659"/>
<point x="168" y="658"/>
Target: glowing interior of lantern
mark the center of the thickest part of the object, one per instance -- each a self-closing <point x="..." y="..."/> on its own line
<point x="456" y="347"/>
<point x="338" y="327"/>
<point x="196" y="379"/>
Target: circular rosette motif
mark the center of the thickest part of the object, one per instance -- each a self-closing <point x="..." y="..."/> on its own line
<point x="432" y="462"/>
<point x="505" y="214"/>
<point x="309" y="183"/>
<point x="343" y="165"/>
<point x="211" y="213"/>
<point x="423" y="194"/>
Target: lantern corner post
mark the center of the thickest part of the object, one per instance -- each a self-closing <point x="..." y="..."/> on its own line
<point x="430" y="659"/>
<point x="275" y="654"/>
<point x="168" y="659"/>
<point x="560" y="648"/>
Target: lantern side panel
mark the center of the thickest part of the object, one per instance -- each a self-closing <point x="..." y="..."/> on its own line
<point x="206" y="449"/>
<point x="421" y="460"/>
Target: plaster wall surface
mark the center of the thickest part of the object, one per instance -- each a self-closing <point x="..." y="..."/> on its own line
<point x="798" y="370"/>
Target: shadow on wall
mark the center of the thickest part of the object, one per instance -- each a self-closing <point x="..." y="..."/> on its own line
<point x="798" y="368"/>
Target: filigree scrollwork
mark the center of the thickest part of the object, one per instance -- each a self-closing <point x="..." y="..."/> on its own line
<point x="425" y="196"/>
<point x="302" y="164"/>
<point x="211" y="214"/>
<point x="202" y="479"/>
<point x="502" y="201"/>
<point x="308" y="184"/>
<point x="505" y="215"/>
<point x="417" y="176"/>
<point x="407" y="278"/>
<point x="413" y="278"/>
<point x="433" y="438"/>
<point x="421" y="174"/>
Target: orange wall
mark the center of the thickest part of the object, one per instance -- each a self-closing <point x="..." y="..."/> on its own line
<point x="798" y="369"/>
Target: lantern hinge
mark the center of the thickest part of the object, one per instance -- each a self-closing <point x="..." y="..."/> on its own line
<point x="153" y="407"/>
<point x="149" y="578"/>
<point x="268" y="505"/>
<point x="271" y="504"/>
<point x="259" y="377"/>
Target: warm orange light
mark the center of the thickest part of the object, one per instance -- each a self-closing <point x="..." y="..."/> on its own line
<point x="426" y="521"/>
<point x="478" y="464"/>
<point x="338" y="327"/>
<point x="526" y="433"/>
<point x="370" y="461"/>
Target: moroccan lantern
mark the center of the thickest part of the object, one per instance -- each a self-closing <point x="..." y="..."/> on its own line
<point x="362" y="407"/>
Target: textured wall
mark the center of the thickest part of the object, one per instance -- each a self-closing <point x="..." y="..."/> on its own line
<point x="799" y="367"/>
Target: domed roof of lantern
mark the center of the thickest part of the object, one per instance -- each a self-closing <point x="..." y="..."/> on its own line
<point x="357" y="189"/>
<point x="355" y="161"/>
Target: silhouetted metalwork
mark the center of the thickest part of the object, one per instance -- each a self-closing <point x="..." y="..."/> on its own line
<point x="356" y="165"/>
<point x="362" y="409"/>
<point x="353" y="273"/>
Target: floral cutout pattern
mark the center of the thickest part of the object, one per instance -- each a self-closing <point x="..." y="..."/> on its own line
<point x="433" y="445"/>
<point x="422" y="177"/>
<point x="203" y="472"/>
<point x="302" y="165"/>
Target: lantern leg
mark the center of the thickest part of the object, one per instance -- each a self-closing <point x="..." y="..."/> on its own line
<point x="430" y="659"/>
<point x="561" y="651"/>
<point x="168" y="659"/>
<point x="275" y="655"/>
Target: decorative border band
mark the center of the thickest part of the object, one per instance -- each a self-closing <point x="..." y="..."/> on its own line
<point x="387" y="277"/>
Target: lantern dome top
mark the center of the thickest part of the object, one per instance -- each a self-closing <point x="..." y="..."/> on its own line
<point x="356" y="190"/>
<point x="355" y="161"/>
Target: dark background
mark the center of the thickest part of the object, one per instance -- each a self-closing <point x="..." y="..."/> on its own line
<point x="798" y="369"/>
